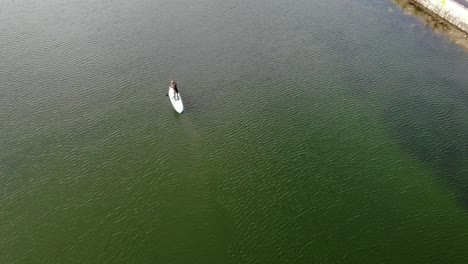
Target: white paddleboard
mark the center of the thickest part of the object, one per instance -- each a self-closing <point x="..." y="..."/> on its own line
<point x="176" y="101"/>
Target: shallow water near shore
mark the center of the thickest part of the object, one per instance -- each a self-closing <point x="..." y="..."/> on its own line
<point x="313" y="132"/>
<point x="433" y="22"/>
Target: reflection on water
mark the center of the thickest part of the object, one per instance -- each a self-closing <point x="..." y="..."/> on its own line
<point x="435" y="132"/>
<point x="434" y="128"/>
<point x="436" y="23"/>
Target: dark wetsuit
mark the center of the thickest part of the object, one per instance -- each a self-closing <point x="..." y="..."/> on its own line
<point x="175" y="88"/>
<point x="176" y="92"/>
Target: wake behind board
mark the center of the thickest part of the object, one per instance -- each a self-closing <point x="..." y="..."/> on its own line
<point x="176" y="101"/>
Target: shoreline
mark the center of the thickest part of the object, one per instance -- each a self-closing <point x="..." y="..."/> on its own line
<point x="438" y="23"/>
<point x="451" y="11"/>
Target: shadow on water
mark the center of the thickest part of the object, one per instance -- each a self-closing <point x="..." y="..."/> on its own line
<point x="435" y="131"/>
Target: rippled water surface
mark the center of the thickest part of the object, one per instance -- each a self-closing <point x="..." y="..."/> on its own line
<point x="314" y="132"/>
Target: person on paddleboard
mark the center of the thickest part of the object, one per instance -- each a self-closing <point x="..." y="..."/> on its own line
<point x="176" y="92"/>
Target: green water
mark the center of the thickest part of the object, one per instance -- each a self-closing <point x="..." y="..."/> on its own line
<point x="314" y="132"/>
